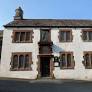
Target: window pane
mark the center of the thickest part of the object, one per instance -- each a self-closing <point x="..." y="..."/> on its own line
<point x="90" y="35"/>
<point x="17" y="37"/>
<point x="26" y="61"/>
<point x="44" y="35"/>
<point x="68" y="60"/>
<point x="62" y="34"/>
<point x="28" y="34"/>
<point x="68" y="36"/>
<point x="87" y="60"/>
<point x="21" y="61"/>
<point x="15" y="61"/>
<point x="63" y="60"/>
<point x="22" y="36"/>
<point x="85" y="35"/>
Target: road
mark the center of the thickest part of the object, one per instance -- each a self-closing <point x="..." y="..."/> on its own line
<point x="45" y="86"/>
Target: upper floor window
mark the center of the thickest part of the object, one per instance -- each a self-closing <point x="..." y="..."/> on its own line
<point x="22" y="36"/>
<point x="87" y="34"/>
<point x="65" y="35"/>
<point x="21" y="61"/>
<point x="87" y="60"/>
<point x="67" y="60"/>
<point x="45" y="35"/>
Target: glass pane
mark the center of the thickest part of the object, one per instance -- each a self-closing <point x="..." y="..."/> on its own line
<point x="44" y="35"/>
<point x="69" y="60"/>
<point x="68" y="36"/>
<point x="28" y="34"/>
<point x="17" y="37"/>
<point x="15" y="61"/>
<point x="87" y="60"/>
<point x="22" y="36"/>
<point x="62" y="34"/>
<point x="85" y="35"/>
<point x="90" y="35"/>
<point x="26" y="61"/>
<point x="21" y="61"/>
<point x="63" y="60"/>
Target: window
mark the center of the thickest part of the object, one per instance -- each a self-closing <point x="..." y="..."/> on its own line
<point x="88" y="60"/>
<point x="26" y="61"/>
<point x="15" y="61"/>
<point x="87" y="35"/>
<point x="22" y="36"/>
<point x="21" y="61"/>
<point x="28" y="38"/>
<point x="67" y="61"/>
<point x="45" y="35"/>
<point x="65" y="35"/>
<point x="17" y="37"/>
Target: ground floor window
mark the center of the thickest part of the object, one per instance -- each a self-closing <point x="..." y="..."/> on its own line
<point x="88" y="59"/>
<point x="67" y="60"/>
<point x="21" y="61"/>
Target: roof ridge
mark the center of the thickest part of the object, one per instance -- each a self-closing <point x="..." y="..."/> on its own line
<point x="50" y="23"/>
<point x="58" y="19"/>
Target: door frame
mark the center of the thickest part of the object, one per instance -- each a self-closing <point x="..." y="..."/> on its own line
<point x="51" y="65"/>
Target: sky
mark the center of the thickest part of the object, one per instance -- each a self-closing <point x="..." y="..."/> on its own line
<point x="45" y="9"/>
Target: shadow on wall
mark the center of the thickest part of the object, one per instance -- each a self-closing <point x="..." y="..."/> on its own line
<point x="56" y="49"/>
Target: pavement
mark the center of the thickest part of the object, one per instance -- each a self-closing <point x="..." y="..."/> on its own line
<point x="44" y="85"/>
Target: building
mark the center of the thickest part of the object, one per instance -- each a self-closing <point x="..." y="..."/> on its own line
<point x="54" y="48"/>
<point x="1" y="38"/>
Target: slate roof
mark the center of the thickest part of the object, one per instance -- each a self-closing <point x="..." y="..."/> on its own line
<point x="49" y="23"/>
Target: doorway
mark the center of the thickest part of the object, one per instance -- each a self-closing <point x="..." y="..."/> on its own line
<point x="45" y="66"/>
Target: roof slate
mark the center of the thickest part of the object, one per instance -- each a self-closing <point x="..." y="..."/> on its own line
<point x="49" y="23"/>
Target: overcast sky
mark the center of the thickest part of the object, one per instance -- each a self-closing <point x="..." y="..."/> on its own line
<point x="48" y="9"/>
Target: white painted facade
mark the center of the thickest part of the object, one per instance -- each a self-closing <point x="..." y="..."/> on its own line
<point x="77" y="46"/>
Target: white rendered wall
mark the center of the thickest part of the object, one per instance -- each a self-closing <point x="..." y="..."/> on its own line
<point x="9" y="47"/>
<point x="77" y="47"/>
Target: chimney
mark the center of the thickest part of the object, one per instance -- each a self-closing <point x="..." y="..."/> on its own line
<point x="18" y="14"/>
